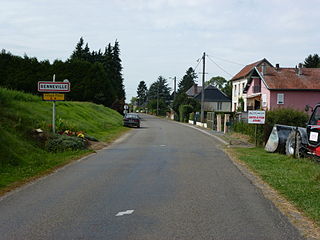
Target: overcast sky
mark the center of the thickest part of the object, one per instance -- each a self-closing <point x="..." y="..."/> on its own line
<point x="165" y="37"/>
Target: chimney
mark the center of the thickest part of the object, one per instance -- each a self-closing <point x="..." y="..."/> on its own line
<point x="263" y="69"/>
<point x="277" y="66"/>
<point x="195" y="86"/>
<point x="300" y="69"/>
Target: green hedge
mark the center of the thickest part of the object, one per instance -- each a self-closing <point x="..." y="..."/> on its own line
<point x="284" y="116"/>
<point x="184" y="111"/>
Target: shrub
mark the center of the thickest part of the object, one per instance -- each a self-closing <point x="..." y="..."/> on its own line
<point x="184" y="111"/>
<point x="60" y="143"/>
<point x="284" y="116"/>
<point x="191" y="116"/>
<point x="63" y="125"/>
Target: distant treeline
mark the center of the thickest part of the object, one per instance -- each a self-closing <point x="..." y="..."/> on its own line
<point x="95" y="76"/>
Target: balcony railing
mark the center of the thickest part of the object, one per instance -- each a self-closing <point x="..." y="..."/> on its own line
<point x="256" y="89"/>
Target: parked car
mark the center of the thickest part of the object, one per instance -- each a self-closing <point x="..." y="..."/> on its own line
<point x="131" y="120"/>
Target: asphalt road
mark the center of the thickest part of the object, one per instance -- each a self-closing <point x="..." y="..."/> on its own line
<point x="175" y="181"/>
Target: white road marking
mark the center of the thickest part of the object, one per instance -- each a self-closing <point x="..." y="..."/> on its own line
<point x="163" y="145"/>
<point x="128" y="212"/>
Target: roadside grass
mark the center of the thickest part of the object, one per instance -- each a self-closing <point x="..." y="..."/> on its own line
<point x="23" y="157"/>
<point x="298" y="180"/>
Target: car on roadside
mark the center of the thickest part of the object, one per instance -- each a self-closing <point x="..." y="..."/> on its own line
<point x="131" y="120"/>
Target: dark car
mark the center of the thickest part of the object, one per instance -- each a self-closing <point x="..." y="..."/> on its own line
<point x="131" y="120"/>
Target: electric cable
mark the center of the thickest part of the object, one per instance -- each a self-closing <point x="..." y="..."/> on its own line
<point x="229" y="61"/>
<point x="219" y="66"/>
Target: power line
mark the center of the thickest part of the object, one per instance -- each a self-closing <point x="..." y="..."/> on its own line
<point x="229" y="61"/>
<point x="199" y="61"/>
<point x="219" y="66"/>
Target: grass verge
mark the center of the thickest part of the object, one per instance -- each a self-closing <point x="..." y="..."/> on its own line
<point x="23" y="157"/>
<point x="298" y="180"/>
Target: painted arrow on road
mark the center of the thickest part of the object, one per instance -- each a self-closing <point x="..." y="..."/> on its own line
<point x="128" y="212"/>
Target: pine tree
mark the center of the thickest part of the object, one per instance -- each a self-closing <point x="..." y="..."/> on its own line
<point x="187" y="81"/>
<point x="117" y="78"/>
<point x="142" y="92"/>
<point x="312" y="61"/>
<point x="78" y="52"/>
<point x="160" y="89"/>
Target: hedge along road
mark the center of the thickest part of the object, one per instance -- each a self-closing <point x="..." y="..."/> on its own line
<point x="163" y="181"/>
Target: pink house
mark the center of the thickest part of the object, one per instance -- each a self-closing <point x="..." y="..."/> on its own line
<point x="271" y="87"/>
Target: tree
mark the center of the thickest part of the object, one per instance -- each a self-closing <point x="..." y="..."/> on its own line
<point x="312" y="61"/>
<point x="218" y="82"/>
<point x="142" y="92"/>
<point x="160" y="89"/>
<point x="116" y="70"/>
<point x="78" y="53"/>
<point x="187" y="81"/>
<point x="159" y="93"/>
<point x="183" y="99"/>
<point x="227" y="89"/>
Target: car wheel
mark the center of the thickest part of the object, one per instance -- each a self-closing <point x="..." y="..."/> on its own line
<point x="294" y="146"/>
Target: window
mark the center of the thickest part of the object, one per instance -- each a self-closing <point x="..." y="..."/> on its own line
<point x="239" y="89"/>
<point x="280" y="98"/>
<point x="235" y="90"/>
<point x="219" y="106"/>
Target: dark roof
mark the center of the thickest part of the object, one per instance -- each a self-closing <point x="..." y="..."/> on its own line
<point x="247" y="69"/>
<point x="194" y="90"/>
<point x="213" y="94"/>
<point x="289" y="79"/>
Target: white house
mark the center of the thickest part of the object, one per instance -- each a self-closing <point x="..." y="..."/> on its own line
<point x="239" y="83"/>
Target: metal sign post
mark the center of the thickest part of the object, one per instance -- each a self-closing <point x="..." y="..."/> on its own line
<point x="54" y="110"/>
<point x="256" y="117"/>
<point x="54" y="91"/>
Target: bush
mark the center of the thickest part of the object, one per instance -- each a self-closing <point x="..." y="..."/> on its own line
<point x="191" y="116"/>
<point x="61" y="143"/>
<point x="184" y="111"/>
<point x="249" y="129"/>
<point x="284" y="116"/>
<point x="63" y="125"/>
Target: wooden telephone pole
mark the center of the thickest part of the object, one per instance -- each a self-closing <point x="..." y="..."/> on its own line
<point x="202" y="92"/>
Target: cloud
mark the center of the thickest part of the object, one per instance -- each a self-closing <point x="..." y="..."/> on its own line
<point x="164" y="37"/>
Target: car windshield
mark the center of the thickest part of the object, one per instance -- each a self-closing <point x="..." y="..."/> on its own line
<point x="315" y="118"/>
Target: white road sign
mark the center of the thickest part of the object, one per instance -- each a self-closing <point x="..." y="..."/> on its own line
<point x="53" y="86"/>
<point x="256" y="117"/>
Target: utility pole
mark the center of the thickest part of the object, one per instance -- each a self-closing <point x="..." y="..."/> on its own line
<point x="202" y="92"/>
<point x="54" y="110"/>
<point x="174" y="87"/>
<point x="158" y="99"/>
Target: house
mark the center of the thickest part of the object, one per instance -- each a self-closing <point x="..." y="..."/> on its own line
<point x="239" y="82"/>
<point x="194" y="90"/>
<point x="271" y="87"/>
<point x="214" y="100"/>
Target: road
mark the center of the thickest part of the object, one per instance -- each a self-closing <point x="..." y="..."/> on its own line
<point x="175" y="181"/>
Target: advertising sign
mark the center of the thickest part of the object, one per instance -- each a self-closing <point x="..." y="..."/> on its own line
<point x="53" y="86"/>
<point x="256" y="117"/>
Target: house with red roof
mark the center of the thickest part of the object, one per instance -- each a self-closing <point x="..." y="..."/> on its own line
<point x="271" y="87"/>
<point x="239" y="82"/>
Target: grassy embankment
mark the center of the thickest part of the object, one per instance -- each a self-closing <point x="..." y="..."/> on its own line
<point x="21" y="156"/>
<point x="298" y="180"/>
